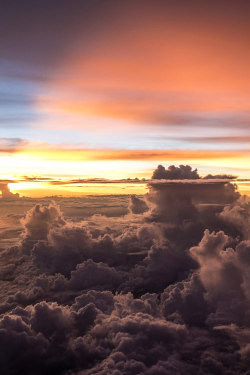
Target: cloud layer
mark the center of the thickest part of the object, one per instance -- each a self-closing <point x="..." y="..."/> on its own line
<point x="163" y="289"/>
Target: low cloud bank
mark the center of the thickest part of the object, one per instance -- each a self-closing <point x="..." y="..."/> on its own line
<point x="6" y="193"/>
<point x="162" y="290"/>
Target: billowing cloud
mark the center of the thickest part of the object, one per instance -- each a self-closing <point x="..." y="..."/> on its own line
<point x="163" y="289"/>
<point x="182" y="172"/>
<point x="6" y="193"/>
<point x="137" y="205"/>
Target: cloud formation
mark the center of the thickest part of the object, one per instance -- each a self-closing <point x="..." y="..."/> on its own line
<point x="182" y="172"/>
<point x="163" y="289"/>
<point x="6" y="193"/>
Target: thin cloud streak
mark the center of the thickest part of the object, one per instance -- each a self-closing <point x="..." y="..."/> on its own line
<point x="107" y="154"/>
<point x="12" y="145"/>
<point x="233" y="139"/>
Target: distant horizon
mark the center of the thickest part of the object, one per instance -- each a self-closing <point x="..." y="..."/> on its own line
<point x="38" y="187"/>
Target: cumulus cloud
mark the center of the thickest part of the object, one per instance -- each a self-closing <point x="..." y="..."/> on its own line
<point x="224" y="276"/>
<point x="137" y="205"/>
<point x="182" y="172"/>
<point x="39" y="220"/>
<point x="161" y="290"/>
<point x="6" y="193"/>
<point x="90" y="274"/>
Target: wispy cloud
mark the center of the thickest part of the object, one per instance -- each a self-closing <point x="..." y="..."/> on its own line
<point x="232" y="139"/>
<point x="11" y="145"/>
<point x="48" y="151"/>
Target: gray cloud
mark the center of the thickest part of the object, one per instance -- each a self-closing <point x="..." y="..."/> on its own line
<point x="182" y="172"/>
<point x="163" y="291"/>
<point x="137" y="205"/>
<point x="11" y="144"/>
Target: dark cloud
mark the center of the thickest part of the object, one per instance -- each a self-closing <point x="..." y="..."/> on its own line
<point x="38" y="222"/>
<point x="182" y="172"/>
<point x="91" y="275"/>
<point x="219" y="177"/>
<point x="137" y="205"/>
<point x="157" y="291"/>
<point x="96" y="181"/>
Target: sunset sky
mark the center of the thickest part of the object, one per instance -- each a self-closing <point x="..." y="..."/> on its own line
<point x="125" y="187"/>
<point x="110" y="89"/>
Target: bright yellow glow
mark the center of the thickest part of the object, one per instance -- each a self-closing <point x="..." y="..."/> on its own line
<point x="15" y="186"/>
<point x="117" y="164"/>
<point x="44" y="161"/>
<point x="244" y="187"/>
<point x="37" y="189"/>
<point x="163" y="69"/>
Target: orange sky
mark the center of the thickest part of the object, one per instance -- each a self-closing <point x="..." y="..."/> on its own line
<point x="116" y="88"/>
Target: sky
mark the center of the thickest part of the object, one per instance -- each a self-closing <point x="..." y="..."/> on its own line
<point x="124" y="235"/>
<point x="110" y="89"/>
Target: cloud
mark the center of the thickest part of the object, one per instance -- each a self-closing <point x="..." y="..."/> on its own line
<point x="223" y="275"/>
<point x="6" y="193"/>
<point x="38" y="222"/>
<point x="10" y="145"/>
<point x="137" y="205"/>
<point x="219" y="177"/>
<point x="91" y="180"/>
<point x="49" y="151"/>
<point x="157" y="291"/>
<point x="233" y="139"/>
<point x="91" y="275"/>
<point x="182" y="172"/>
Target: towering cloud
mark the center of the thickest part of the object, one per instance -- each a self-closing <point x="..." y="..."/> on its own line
<point x="182" y="172"/>
<point x="137" y="205"/>
<point x="6" y="193"/>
